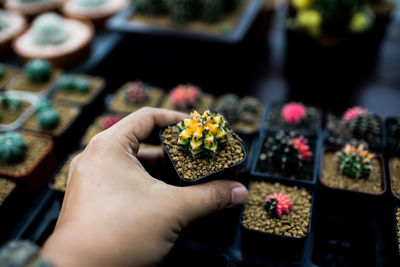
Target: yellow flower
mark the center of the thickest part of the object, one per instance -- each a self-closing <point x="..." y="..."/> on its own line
<point x="302" y="4"/>
<point x="310" y="20"/>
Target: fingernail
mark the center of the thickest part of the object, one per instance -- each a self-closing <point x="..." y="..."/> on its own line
<point x="239" y="195"/>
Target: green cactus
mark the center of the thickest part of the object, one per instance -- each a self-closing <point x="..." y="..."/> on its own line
<point x="10" y="103"/>
<point x="229" y="107"/>
<point x="72" y="83"/>
<point x="211" y="10"/>
<point x="355" y="162"/>
<point x="12" y="147"/>
<point x="181" y="11"/>
<point x="150" y="6"/>
<point x="2" y="71"/>
<point x="49" y="29"/>
<point x="363" y="126"/>
<point x="38" y="70"/>
<point x="82" y="85"/>
<point x="47" y="117"/>
<point x="394" y="129"/>
<point x="66" y="82"/>
<point x="202" y="134"/>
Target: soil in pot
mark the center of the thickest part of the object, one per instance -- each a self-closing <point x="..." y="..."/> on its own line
<point x="22" y="83"/>
<point x="120" y="103"/>
<point x="9" y="73"/>
<point x="83" y="90"/>
<point x="331" y="176"/>
<point x="295" y="224"/>
<point x="394" y="166"/>
<point x="9" y="116"/>
<point x="307" y="125"/>
<point x="68" y="115"/>
<point x="61" y="178"/>
<point x="191" y="168"/>
<point x="6" y="187"/>
<point x="398" y="228"/>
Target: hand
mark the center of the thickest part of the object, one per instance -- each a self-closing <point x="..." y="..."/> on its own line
<point x="115" y="214"/>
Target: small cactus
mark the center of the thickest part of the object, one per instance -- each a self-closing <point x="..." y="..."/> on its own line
<point x="353" y="113"/>
<point x="47" y="117"/>
<point x="229" y="107"/>
<point x="202" y="134"/>
<point x="249" y="108"/>
<point x="38" y="70"/>
<point x="72" y="83"/>
<point x="10" y="103"/>
<point x="355" y="162"/>
<point x="185" y="97"/>
<point x="287" y="152"/>
<point x="12" y="147"/>
<point x="211" y="10"/>
<point x="277" y="205"/>
<point x="294" y="112"/>
<point x="109" y="121"/>
<point x="363" y="125"/>
<point x="49" y="30"/>
<point x="394" y="129"/>
<point x="135" y="93"/>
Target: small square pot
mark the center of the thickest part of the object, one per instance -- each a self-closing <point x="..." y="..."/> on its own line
<point x="394" y="177"/>
<point x="226" y="172"/>
<point x="256" y="242"/>
<point x="337" y="135"/>
<point x="38" y="165"/>
<point x="309" y="127"/>
<point x="392" y="142"/>
<point x="300" y="178"/>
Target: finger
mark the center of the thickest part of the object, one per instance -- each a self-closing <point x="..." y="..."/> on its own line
<point x="151" y="157"/>
<point x="139" y="125"/>
<point x="204" y="199"/>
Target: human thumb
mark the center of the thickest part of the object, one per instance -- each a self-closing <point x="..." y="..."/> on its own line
<point x="201" y="200"/>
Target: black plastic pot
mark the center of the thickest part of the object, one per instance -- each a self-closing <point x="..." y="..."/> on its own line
<point x="309" y="133"/>
<point x="231" y="172"/>
<point x="316" y="144"/>
<point x="271" y="246"/>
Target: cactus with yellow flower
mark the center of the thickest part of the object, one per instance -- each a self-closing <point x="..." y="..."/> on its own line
<point x="202" y="134"/>
<point x="355" y="162"/>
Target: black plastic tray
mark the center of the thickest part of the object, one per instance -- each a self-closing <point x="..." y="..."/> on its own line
<point x="120" y="23"/>
<point x="233" y="171"/>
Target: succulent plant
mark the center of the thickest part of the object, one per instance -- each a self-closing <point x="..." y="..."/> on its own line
<point x="181" y="11"/>
<point x="249" y="104"/>
<point x="81" y="85"/>
<point x="71" y="83"/>
<point x="38" y="70"/>
<point x="109" y="121"/>
<point x="277" y="205"/>
<point x="150" y="6"/>
<point x="353" y="113"/>
<point x="229" y="107"/>
<point x="12" y="147"/>
<point x="185" y="97"/>
<point x="2" y="71"/>
<point x="49" y="29"/>
<point x="211" y="10"/>
<point x="360" y="123"/>
<point x="287" y="152"/>
<point x="66" y="82"/>
<point x="355" y="162"/>
<point x="202" y="134"/>
<point x="47" y="117"/>
<point x="293" y="113"/>
<point x="135" y="92"/>
<point x="11" y="103"/>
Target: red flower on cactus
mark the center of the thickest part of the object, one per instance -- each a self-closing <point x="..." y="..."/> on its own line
<point x="185" y="96"/>
<point x="135" y="92"/>
<point x="353" y="113"/>
<point x="294" y="112"/>
<point x="109" y="121"/>
<point x="278" y="205"/>
<point x="300" y="143"/>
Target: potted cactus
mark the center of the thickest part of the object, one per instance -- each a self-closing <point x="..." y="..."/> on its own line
<point x="356" y="124"/>
<point x="27" y="157"/>
<point x="294" y="117"/>
<point x="287" y="157"/>
<point x="78" y="89"/>
<point x="187" y="98"/>
<point x="100" y="124"/>
<point x="354" y="169"/>
<point x="202" y="147"/>
<point x="11" y="108"/>
<point x="276" y="220"/>
<point x="38" y="77"/>
<point x="135" y="95"/>
<point x="244" y="114"/>
<point x="393" y="135"/>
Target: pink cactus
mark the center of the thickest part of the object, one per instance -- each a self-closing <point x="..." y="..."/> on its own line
<point x="185" y="96"/>
<point x="109" y="121"/>
<point x="353" y="113"/>
<point x="294" y="112"/>
<point x="135" y="92"/>
<point x="300" y="143"/>
<point x="283" y="204"/>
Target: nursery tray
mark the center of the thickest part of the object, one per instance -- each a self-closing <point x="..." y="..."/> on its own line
<point x="268" y="245"/>
<point x="121" y="23"/>
<point x="307" y="183"/>
<point x="32" y="99"/>
<point x="232" y="171"/>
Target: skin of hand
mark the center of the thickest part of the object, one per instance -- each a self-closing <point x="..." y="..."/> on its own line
<point x="115" y="214"/>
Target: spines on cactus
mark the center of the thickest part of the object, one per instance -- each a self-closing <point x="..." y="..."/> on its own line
<point x="12" y="147"/>
<point x="360" y="123"/>
<point x="202" y="134"/>
<point x="278" y="205"/>
<point x="135" y="92"/>
<point x="185" y="97"/>
<point x="293" y="113"/>
<point x="355" y="162"/>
